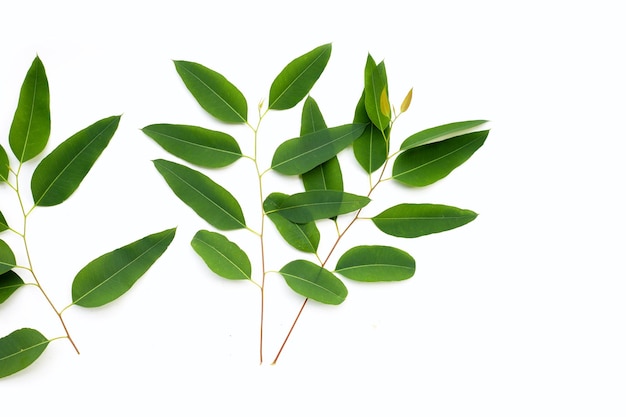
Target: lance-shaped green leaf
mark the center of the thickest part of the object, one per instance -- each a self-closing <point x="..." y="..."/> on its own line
<point x="371" y="148"/>
<point x="314" y="282"/>
<point x="304" y="237"/>
<point x="222" y="256"/>
<point x="319" y="204"/>
<point x="375" y="86"/>
<point x="415" y="220"/>
<point x="18" y="350"/>
<point x="197" y="145"/>
<point x="296" y="80"/>
<point x="111" y="275"/>
<point x="9" y="283"/>
<point x="208" y="199"/>
<point x="7" y="258"/>
<point x="299" y="155"/>
<point x="30" y="128"/>
<point x="217" y="96"/>
<point x="60" y="173"/>
<point x="437" y="133"/>
<point x="4" y="165"/>
<point x="3" y="223"/>
<point x="429" y="163"/>
<point x="376" y="263"/>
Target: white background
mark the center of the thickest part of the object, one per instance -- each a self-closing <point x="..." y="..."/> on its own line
<point x="520" y="313"/>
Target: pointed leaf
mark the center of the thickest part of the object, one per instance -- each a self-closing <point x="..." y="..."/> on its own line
<point x="371" y="148"/>
<point x="385" y="107"/>
<point x="197" y="145"/>
<point x="312" y="119"/>
<point x="9" y="283"/>
<point x="429" y="163"/>
<point x="111" y="275"/>
<point x="375" y="84"/>
<point x="407" y="101"/>
<point x="296" y="80"/>
<point x="3" y="223"/>
<point x="319" y="204"/>
<point x="7" y="258"/>
<point x="60" y="173"/>
<point x="221" y="255"/>
<point x="304" y="237"/>
<point x="376" y="263"/>
<point x="299" y="155"/>
<point x="414" y="220"/>
<point x="4" y="165"/>
<point x="30" y="128"/>
<point x="20" y="349"/>
<point x="314" y="282"/>
<point x="217" y="96"/>
<point x="439" y="132"/>
<point x="207" y="198"/>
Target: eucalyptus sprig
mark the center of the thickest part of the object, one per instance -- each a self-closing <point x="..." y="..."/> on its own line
<point x="314" y="156"/>
<point x="54" y="179"/>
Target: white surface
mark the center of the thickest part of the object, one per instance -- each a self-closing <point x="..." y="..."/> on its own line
<point x="519" y="313"/>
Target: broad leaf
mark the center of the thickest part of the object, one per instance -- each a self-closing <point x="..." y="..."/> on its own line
<point x="299" y="155"/>
<point x="371" y="148"/>
<point x="218" y="96"/>
<point x="375" y="86"/>
<point x="7" y="258"/>
<point x="9" y="283"/>
<point x="296" y="80"/>
<point x="221" y="255"/>
<point x="60" y="173"/>
<point x="30" y="128"/>
<point x="439" y="132"/>
<point x="304" y="237"/>
<point x="376" y="263"/>
<point x="3" y="223"/>
<point x="109" y="276"/>
<point x="414" y="220"/>
<point x="319" y="204"/>
<point x="4" y="165"/>
<point x="208" y="199"/>
<point x="20" y="349"/>
<point x="429" y="163"/>
<point x="197" y="145"/>
<point x="314" y="282"/>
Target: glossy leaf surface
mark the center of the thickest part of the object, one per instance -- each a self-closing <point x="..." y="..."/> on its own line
<point x="375" y="86"/>
<point x="297" y="78"/>
<point x="371" y="148"/>
<point x="3" y="223"/>
<point x="197" y="145"/>
<point x="9" y="283"/>
<point x="215" y="94"/>
<point x="4" y="165"/>
<point x="376" y="263"/>
<point x="30" y="128"/>
<point x="319" y="204"/>
<point x="7" y="258"/>
<point x="429" y="163"/>
<point x="414" y="220"/>
<point x="60" y="173"/>
<point x="208" y="199"/>
<point x="20" y="349"/>
<point x="111" y="275"/>
<point x="437" y="133"/>
<point x="314" y="282"/>
<point x="221" y="255"/>
<point x="304" y="237"/>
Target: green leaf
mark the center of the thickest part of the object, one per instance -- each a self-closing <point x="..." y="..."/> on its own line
<point x="207" y="198"/>
<point x="9" y="283"/>
<point x="296" y="80"/>
<point x="319" y="204"/>
<point x="439" y="132"/>
<point x="414" y="220"/>
<point x="304" y="237"/>
<point x="299" y="155"/>
<point x="221" y="255"/>
<point x="20" y="349"/>
<point x="4" y="165"/>
<point x="371" y="148"/>
<point x="314" y="282"/>
<point x="376" y="263"/>
<point x="7" y="259"/>
<point x="375" y="85"/>
<point x="217" y="96"/>
<point x="60" y="173"/>
<point x="30" y="128"/>
<point x="109" y="276"/>
<point x="429" y="163"/>
<point x="3" y="223"/>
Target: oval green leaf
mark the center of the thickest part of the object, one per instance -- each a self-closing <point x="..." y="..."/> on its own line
<point x="20" y="349"/>
<point x="375" y="85"/>
<point x="111" y="275"/>
<point x="376" y="263"/>
<point x="221" y="255"/>
<point x="437" y="133"/>
<point x="60" y="173"/>
<point x="304" y="237"/>
<point x="415" y="220"/>
<point x="319" y="204"/>
<point x="297" y="78"/>
<point x="4" y="165"/>
<point x="429" y="163"/>
<point x="30" y="128"/>
<point x="3" y="223"/>
<point x="9" y="283"/>
<point x="208" y="199"/>
<point x="7" y="258"/>
<point x="299" y="155"/>
<point x="314" y="282"/>
<point x="215" y="94"/>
